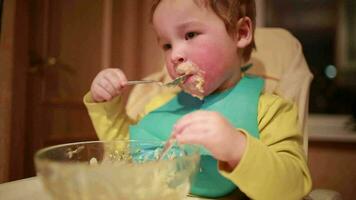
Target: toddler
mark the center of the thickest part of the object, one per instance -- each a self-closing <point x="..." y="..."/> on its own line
<point x="251" y="140"/>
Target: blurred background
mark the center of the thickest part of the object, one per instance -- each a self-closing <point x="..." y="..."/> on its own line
<point x="50" y="50"/>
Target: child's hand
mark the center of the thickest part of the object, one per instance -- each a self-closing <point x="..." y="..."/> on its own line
<point x="108" y="84"/>
<point x="214" y="132"/>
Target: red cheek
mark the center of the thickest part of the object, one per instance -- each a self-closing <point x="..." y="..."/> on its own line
<point x="209" y="61"/>
<point x="213" y="79"/>
<point x="207" y="56"/>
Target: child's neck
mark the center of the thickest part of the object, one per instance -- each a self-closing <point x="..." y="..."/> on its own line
<point x="233" y="80"/>
<point x="229" y="83"/>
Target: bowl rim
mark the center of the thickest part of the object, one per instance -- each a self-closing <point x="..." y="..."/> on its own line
<point x="45" y="149"/>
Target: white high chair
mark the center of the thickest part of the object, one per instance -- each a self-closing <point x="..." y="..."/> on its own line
<point x="280" y="60"/>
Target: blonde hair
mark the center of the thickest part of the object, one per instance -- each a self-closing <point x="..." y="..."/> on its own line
<point x="230" y="12"/>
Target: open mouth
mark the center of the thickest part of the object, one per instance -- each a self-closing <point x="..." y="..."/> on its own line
<point x="187" y="68"/>
<point x="186" y="78"/>
<point x="194" y="80"/>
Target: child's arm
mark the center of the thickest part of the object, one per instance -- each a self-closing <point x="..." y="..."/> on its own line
<point x="109" y="118"/>
<point x="272" y="167"/>
<point x="105" y="107"/>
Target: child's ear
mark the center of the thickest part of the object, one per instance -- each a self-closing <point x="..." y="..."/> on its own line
<point x="244" y="32"/>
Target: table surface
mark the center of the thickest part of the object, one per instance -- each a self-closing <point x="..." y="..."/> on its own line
<point x="31" y="188"/>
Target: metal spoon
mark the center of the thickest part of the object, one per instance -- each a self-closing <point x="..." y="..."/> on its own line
<point x="172" y="83"/>
<point x="167" y="146"/>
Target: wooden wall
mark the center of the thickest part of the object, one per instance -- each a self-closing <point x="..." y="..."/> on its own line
<point x="13" y="65"/>
<point x="134" y="46"/>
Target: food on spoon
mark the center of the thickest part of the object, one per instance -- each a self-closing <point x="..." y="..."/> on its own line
<point x="195" y="84"/>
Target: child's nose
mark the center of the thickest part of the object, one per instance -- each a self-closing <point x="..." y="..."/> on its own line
<point x="178" y="57"/>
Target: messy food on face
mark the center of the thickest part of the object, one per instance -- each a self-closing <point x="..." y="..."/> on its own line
<point x="195" y="85"/>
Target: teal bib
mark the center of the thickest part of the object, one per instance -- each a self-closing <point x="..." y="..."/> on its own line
<point x="239" y="105"/>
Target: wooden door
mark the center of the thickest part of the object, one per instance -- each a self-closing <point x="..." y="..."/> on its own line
<point x="65" y="54"/>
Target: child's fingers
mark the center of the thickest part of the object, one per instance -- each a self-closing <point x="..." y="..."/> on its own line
<point x="193" y="134"/>
<point x="116" y="86"/>
<point x="106" y="84"/>
<point x="100" y="94"/>
<point x="183" y="124"/>
<point x="191" y="118"/>
<point x="121" y="77"/>
<point x="116" y="78"/>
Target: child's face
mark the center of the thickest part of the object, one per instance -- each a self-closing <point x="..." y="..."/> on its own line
<point x="188" y="32"/>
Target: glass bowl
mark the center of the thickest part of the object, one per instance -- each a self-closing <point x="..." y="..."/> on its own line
<point x="116" y="170"/>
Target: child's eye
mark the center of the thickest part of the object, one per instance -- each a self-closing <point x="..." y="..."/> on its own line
<point x="166" y="47"/>
<point x="190" y="35"/>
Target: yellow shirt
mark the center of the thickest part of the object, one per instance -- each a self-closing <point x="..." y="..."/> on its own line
<point x="272" y="167"/>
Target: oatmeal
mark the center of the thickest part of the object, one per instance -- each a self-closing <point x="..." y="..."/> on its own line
<point x="195" y="83"/>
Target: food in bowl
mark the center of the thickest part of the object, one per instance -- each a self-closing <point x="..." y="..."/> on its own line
<point x="116" y="170"/>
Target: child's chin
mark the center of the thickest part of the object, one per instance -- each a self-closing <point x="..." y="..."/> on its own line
<point x="194" y="93"/>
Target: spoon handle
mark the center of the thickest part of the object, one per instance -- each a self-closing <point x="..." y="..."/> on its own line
<point x="141" y="82"/>
<point x="167" y="146"/>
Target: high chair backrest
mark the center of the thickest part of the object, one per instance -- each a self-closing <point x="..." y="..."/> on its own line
<point x="278" y="58"/>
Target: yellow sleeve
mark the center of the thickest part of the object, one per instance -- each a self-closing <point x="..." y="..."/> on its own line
<point x="274" y="166"/>
<point x="109" y="118"/>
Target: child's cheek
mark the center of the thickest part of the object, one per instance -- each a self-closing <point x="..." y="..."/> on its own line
<point x="209" y="61"/>
<point x="212" y="79"/>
